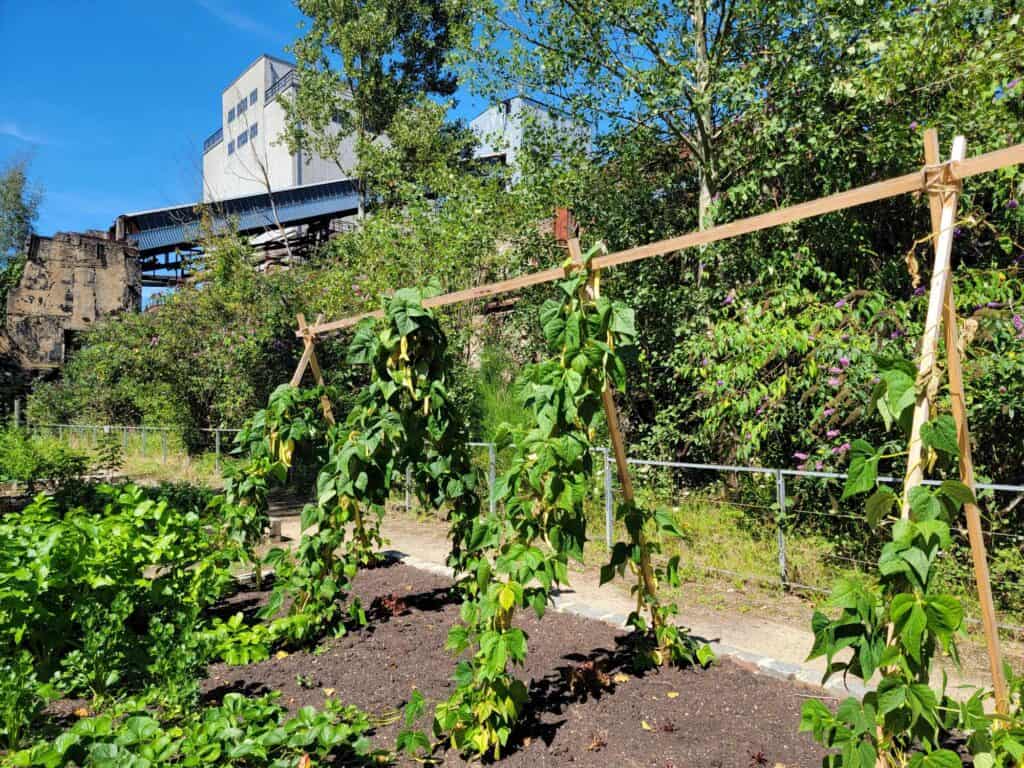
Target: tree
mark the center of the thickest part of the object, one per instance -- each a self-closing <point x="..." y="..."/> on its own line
<point x="359" y="63"/>
<point x="19" y="208"/>
<point x="676" y="73"/>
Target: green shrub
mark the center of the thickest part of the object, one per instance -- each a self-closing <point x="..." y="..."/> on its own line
<point x="32" y="459"/>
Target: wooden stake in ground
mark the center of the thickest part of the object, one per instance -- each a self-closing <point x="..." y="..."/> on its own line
<point x="611" y="414"/>
<point x="309" y="359"/>
<point x="959" y="407"/>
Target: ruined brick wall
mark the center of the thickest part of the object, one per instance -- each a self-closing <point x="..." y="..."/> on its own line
<point x="70" y="281"/>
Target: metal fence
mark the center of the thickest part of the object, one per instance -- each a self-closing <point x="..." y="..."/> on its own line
<point x="781" y="507"/>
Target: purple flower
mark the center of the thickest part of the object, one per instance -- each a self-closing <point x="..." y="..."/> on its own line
<point x="800" y="456"/>
<point x="841" y="303"/>
<point x="913" y="125"/>
<point x="875" y="379"/>
<point x="839" y="450"/>
<point x="819" y="465"/>
<point x="844" y="361"/>
<point x="994" y="304"/>
<point x="1018" y="323"/>
<point x="896" y="334"/>
<point x="1013" y="84"/>
<point x="728" y="300"/>
<point x="720" y="383"/>
<point x="957" y="232"/>
<point x="834" y="381"/>
<point x="835" y="369"/>
<point x="832" y="434"/>
<point x="919" y="291"/>
<point x="828" y="412"/>
<point x="154" y="340"/>
<point x="845" y="337"/>
<point x="1012" y="203"/>
<point x="704" y="363"/>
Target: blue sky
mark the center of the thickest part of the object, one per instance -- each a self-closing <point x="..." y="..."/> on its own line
<point x="113" y="103"/>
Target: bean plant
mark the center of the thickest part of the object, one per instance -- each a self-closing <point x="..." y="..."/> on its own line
<point x="403" y="418"/>
<point x="522" y="552"/>
<point x="893" y="625"/>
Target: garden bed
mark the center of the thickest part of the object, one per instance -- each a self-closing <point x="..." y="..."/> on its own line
<point x="725" y="716"/>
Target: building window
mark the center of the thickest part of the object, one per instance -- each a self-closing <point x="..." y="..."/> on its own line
<point x="252" y="97"/>
<point x="231" y="147"/>
<point x="231" y="115"/>
<point x="241" y="106"/>
<point x="243" y="139"/>
<point x="254" y="130"/>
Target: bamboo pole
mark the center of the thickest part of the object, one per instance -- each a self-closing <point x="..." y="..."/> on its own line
<point x="933" y="321"/>
<point x="958" y="402"/>
<point x="955" y="170"/>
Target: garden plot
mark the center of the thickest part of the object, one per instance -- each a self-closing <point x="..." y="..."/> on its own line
<point x="587" y="707"/>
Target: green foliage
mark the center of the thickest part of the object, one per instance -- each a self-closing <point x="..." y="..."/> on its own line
<point x="241" y="731"/>
<point x="894" y="626"/>
<point x="519" y="555"/>
<point x="19" y="208"/>
<point x="103" y="594"/>
<point x="402" y="418"/>
<point x="32" y="459"/>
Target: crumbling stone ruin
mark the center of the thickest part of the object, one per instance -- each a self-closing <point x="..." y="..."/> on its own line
<point x="70" y="281"/>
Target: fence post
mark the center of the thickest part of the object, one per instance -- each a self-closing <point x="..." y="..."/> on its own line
<point x="124" y="439"/>
<point x="408" y="489"/>
<point x="216" y="449"/>
<point x="143" y="441"/>
<point x="17" y="412"/>
<point x="609" y="501"/>
<point x="492" y="470"/>
<point x="780" y="498"/>
<point x="163" y="444"/>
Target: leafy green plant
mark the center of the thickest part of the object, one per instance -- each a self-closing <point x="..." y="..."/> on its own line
<point x="33" y="459"/>
<point x="402" y="418"/>
<point x="241" y="731"/>
<point x="522" y="552"/>
<point x="109" y="453"/>
<point x="895" y="625"/>
<point x="102" y="592"/>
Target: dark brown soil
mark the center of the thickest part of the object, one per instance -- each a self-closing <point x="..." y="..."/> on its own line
<point x="723" y="717"/>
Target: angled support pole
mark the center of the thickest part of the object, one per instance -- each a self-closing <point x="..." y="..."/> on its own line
<point x="939" y="181"/>
<point x="309" y="360"/>
<point x="611" y="414"/>
<point x="954" y="371"/>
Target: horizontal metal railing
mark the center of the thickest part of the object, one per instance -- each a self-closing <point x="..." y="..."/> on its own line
<point x="781" y="504"/>
<point x="279" y="85"/>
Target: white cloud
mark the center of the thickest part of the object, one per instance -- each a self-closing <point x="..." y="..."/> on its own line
<point x="236" y="19"/>
<point x="9" y="128"/>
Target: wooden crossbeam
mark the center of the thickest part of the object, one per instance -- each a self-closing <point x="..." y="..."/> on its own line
<point x="955" y="170"/>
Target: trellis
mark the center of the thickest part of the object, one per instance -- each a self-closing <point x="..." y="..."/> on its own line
<point x="942" y="182"/>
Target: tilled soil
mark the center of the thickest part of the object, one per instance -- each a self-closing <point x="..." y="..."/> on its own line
<point x="726" y="716"/>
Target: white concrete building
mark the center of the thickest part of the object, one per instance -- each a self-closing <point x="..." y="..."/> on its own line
<point x="244" y="156"/>
<point x="501" y="129"/>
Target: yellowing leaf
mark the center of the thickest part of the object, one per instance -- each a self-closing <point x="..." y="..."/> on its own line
<point x="328" y="692"/>
<point x="507" y="597"/>
<point x="673" y="694"/>
<point x="645" y="725"/>
<point x="621" y="678"/>
<point x="281" y="655"/>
